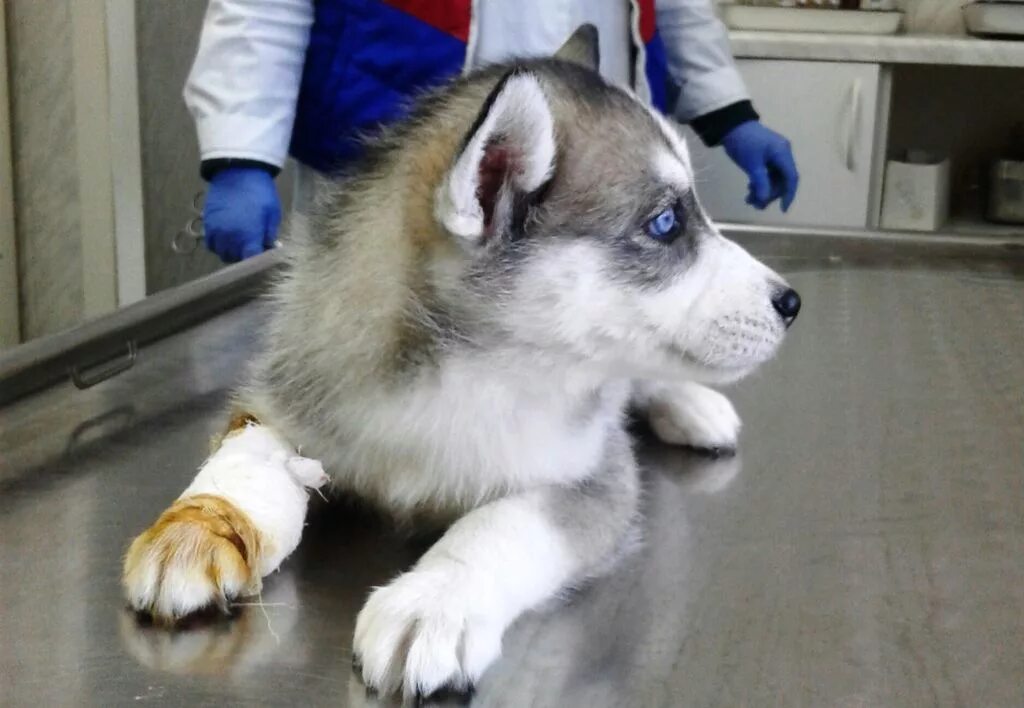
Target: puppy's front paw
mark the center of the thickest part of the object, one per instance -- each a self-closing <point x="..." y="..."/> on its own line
<point x="425" y="632"/>
<point x="201" y="552"/>
<point x="696" y="416"/>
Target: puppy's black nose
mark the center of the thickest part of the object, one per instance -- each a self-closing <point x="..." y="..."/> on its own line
<point x="787" y="304"/>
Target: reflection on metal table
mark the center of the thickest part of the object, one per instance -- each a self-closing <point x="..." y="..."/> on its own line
<point x="865" y="548"/>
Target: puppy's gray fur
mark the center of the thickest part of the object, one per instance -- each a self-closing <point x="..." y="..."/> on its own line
<point x="462" y="324"/>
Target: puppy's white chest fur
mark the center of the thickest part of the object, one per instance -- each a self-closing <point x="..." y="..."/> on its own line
<point x="478" y="428"/>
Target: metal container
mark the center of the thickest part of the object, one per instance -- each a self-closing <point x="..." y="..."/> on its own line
<point x="1006" y="192"/>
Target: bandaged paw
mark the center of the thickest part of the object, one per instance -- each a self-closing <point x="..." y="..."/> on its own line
<point x="267" y="480"/>
<point x="239" y="519"/>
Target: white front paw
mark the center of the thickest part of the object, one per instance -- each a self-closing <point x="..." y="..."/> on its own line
<point x="428" y="630"/>
<point x="696" y="416"/>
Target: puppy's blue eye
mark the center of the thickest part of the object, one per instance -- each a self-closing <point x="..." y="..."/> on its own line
<point x="665" y="226"/>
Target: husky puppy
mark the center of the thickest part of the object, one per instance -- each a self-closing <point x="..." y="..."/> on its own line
<point x="459" y="331"/>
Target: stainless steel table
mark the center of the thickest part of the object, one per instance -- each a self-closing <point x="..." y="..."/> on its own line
<point x="865" y="548"/>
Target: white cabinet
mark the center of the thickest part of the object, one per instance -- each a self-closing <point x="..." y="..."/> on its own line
<point x="835" y="115"/>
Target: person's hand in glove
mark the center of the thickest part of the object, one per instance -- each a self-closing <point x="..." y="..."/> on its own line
<point x="241" y="213"/>
<point x="767" y="159"/>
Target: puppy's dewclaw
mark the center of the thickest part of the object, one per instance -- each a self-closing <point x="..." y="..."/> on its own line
<point x="238" y="520"/>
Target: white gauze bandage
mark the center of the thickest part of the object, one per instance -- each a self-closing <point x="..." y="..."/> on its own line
<point x="267" y="479"/>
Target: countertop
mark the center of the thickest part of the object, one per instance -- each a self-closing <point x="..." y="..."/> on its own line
<point x="884" y="49"/>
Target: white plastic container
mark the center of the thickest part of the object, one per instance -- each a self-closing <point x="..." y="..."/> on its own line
<point x="916" y="193"/>
<point x="1004" y="18"/>
<point x="805" y="19"/>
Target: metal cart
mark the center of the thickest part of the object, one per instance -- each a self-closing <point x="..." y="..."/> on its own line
<point x="864" y="548"/>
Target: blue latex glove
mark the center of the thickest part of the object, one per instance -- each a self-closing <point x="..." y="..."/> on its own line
<point x="241" y="213"/>
<point x="768" y="161"/>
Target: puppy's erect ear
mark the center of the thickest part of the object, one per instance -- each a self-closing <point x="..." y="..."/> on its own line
<point x="508" y="153"/>
<point x="582" y="48"/>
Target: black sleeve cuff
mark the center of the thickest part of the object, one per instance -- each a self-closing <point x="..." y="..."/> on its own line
<point x="208" y="168"/>
<point x="713" y="126"/>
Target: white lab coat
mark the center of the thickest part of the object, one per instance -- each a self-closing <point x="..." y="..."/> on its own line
<point x="244" y="83"/>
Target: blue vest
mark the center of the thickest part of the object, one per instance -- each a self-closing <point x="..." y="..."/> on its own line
<point x="367" y="57"/>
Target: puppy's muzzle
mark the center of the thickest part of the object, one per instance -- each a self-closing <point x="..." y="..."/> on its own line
<point x="787" y="303"/>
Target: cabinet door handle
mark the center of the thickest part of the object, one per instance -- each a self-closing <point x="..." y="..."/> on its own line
<point x="853" y="126"/>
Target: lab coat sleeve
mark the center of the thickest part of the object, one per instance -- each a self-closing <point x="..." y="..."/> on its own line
<point x="244" y="83"/>
<point x="699" y="59"/>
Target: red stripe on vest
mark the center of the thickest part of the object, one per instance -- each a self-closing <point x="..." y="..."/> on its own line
<point x="450" y="16"/>
<point x="647" y="19"/>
